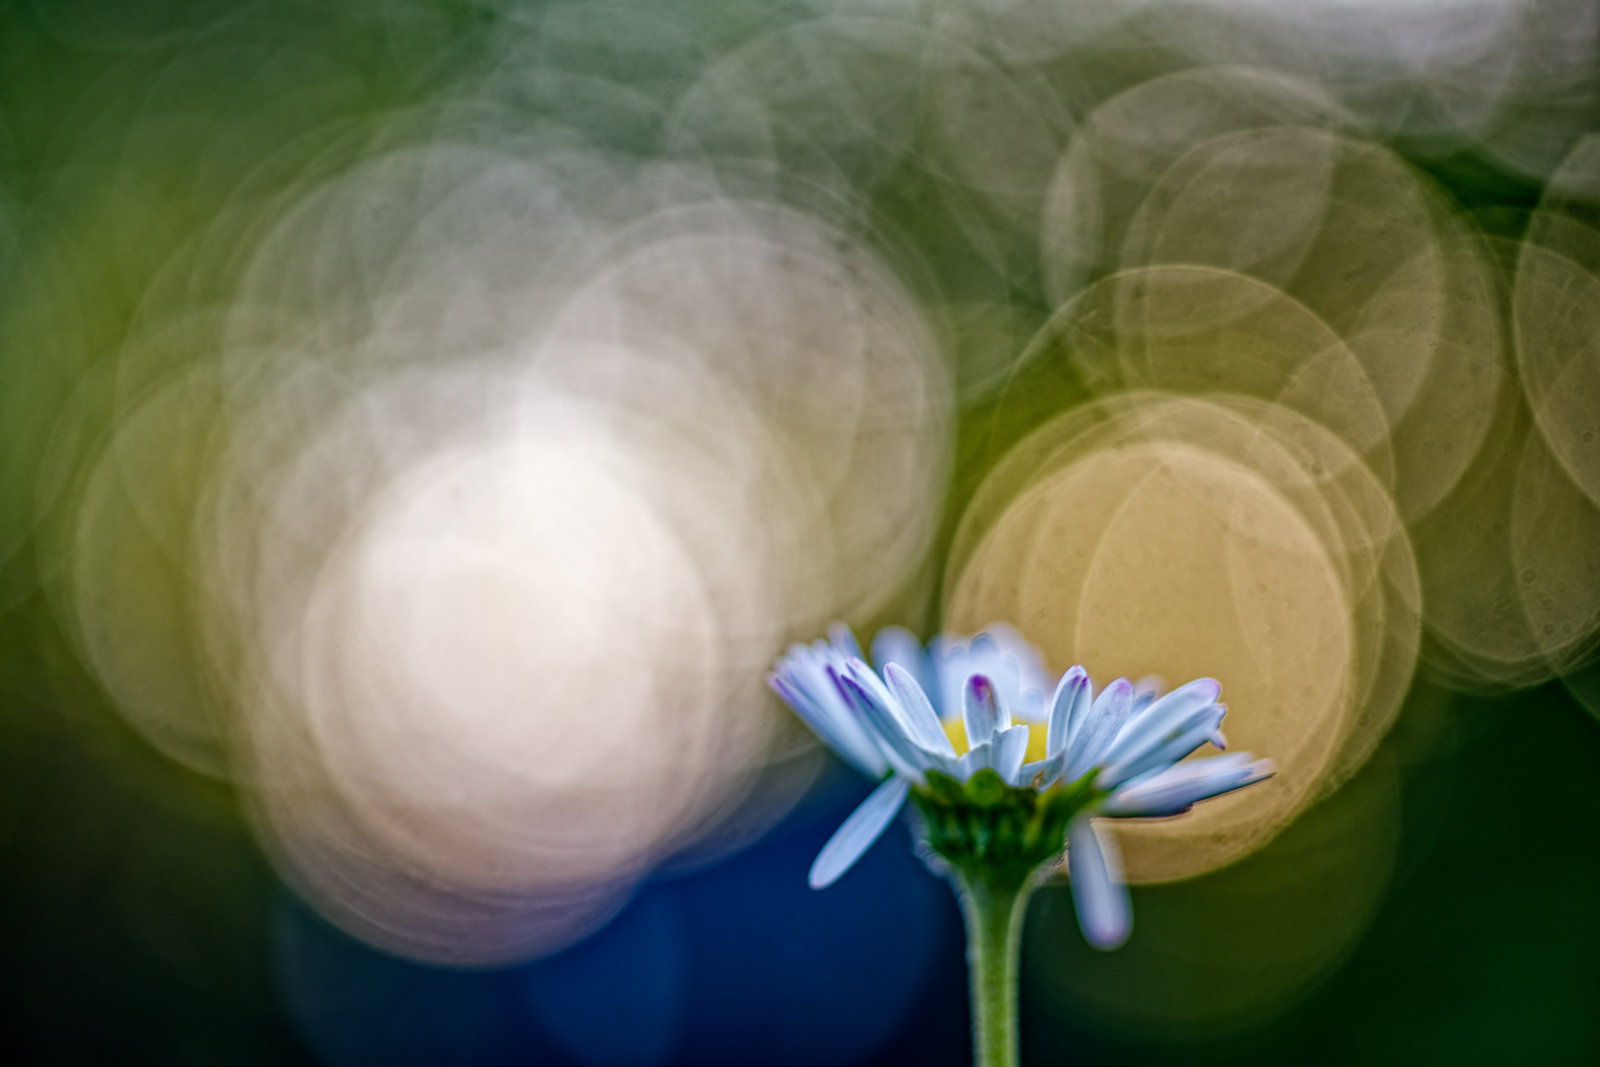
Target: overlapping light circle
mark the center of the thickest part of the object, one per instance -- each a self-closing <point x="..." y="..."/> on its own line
<point x="503" y="500"/>
<point x="1153" y="534"/>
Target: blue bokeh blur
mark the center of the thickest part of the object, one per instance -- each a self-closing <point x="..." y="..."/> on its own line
<point x="739" y="962"/>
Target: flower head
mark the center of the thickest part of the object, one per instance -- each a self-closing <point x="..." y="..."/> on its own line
<point x="1001" y="774"/>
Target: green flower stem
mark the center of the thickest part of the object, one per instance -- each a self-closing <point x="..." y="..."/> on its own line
<point x="994" y="903"/>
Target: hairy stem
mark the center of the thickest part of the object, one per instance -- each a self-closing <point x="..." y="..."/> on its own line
<point x="994" y="905"/>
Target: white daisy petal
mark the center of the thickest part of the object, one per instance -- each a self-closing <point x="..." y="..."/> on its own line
<point x="974" y="760"/>
<point x="1010" y="748"/>
<point x="1191" y="769"/>
<point x="917" y="721"/>
<point x="901" y="752"/>
<point x="1178" y="788"/>
<point x="1163" y="716"/>
<point x="980" y="710"/>
<point x="1074" y="696"/>
<point x="1146" y="690"/>
<point x="857" y="833"/>
<point x="1095" y="868"/>
<point x="926" y="729"/>
<point x="1105" y="720"/>
<point x="1158" y="750"/>
<point x="831" y="720"/>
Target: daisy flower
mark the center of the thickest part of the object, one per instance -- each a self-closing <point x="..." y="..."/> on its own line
<point x="1007" y="766"/>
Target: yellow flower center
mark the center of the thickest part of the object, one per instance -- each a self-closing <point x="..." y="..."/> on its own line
<point x="957" y="732"/>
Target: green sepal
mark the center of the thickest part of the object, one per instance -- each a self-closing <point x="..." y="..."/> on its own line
<point x="987" y="789"/>
<point x="945" y="788"/>
<point x="985" y="828"/>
